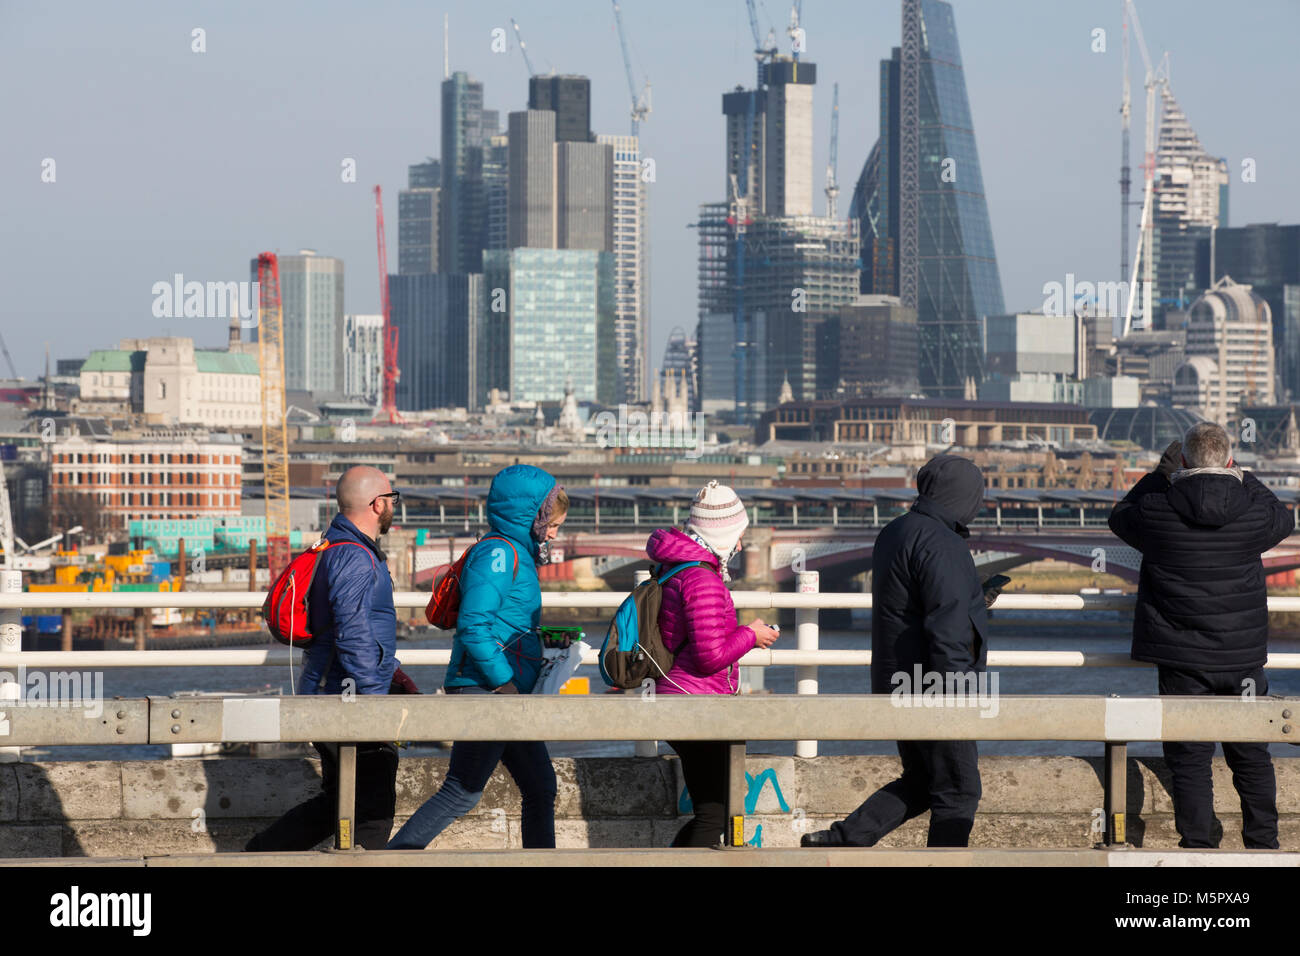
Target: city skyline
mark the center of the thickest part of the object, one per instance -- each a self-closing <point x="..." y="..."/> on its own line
<point x="171" y="163"/>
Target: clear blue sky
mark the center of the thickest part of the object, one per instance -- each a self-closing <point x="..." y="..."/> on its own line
<point x="173" y="161"/>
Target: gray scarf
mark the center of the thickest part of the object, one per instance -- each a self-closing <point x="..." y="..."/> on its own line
<point x="1182" y="473"/>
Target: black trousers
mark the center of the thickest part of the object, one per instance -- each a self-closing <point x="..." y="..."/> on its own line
<point x="314" y="819"/>
<point x="704" y="765"/>
<point x="941" y="776"/>
<point x="1251" y="766"/>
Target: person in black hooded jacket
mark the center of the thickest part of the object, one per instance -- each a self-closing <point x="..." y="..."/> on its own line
<point x="1202" y="612"/>
<point x="928" y="616"/>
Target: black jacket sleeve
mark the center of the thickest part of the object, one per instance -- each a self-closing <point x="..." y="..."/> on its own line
<point x="1281" y="524"/>
<point x="945" y="607"/>
<point x="1126" y="516"/>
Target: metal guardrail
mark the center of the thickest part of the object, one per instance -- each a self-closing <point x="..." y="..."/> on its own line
<point x="1111" y="720"/>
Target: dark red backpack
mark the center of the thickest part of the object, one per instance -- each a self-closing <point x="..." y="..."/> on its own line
<point x="285" y="608"/>
<point x="444" y="603"/>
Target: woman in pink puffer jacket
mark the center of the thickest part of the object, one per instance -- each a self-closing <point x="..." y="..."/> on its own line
<point x="698" y="623"/>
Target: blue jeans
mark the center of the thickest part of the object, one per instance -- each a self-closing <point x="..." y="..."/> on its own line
<point x="471" y="765"/>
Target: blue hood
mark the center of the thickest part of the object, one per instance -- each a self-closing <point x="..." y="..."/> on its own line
<point x="516" y="495"/>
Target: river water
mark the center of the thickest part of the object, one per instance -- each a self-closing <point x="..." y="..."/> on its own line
<point x="1094" y="631"/>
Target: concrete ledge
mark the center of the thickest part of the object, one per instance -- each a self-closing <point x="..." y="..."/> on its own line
<point x="745" y="857"/>
<point x="134" y="809"/>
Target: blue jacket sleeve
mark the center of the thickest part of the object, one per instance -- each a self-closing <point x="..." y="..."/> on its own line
<point x="484" y="582"/>
<point x="950" y="635"/>
<point x="352" y="576"/>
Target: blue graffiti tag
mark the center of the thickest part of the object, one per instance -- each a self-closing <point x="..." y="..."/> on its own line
<point x="755" y="784"/>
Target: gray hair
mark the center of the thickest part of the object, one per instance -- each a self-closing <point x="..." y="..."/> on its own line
<point x="1206" y="445"/>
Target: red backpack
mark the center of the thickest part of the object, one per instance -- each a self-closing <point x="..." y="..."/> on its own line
<point x="285" y="608"/>
<point x="444" y="602"/>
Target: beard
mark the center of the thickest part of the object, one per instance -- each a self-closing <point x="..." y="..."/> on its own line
<point x="386" y="521"/>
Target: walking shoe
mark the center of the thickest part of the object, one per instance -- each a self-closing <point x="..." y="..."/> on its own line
<point x="820" y="838"/>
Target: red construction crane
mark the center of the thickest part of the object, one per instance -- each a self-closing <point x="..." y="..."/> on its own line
<point x="391" y="371"/>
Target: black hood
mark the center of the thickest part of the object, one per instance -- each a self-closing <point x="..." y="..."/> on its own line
<point x="1211" y="500"/>
<point x="953" y="485"/>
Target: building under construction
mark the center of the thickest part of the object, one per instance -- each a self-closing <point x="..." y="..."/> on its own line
<point x="797" y="272"/>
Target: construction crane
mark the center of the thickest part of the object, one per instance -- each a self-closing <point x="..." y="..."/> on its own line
<point x="640" y="102"/>
<point x="275" y="430"/>
<point x="764" y="49"/>
<point x="1156" y="78"/>
<point x="9" y="361"/>
<point x="1125" y="110"/>
<point x="832" y="186"/>
<point x="793" y="30"/>
<point x="523" y="49"/>
<point x="388" y="405"/>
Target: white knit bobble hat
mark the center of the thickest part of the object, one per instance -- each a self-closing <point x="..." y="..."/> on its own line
<point x="718" y="517"/>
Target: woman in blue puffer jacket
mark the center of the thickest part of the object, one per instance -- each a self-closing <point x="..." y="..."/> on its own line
<point x="497" y="650"/>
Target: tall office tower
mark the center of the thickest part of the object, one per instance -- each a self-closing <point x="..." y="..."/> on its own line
<point x="569" y="98"/>
<point x="417" y="219"/>
<point x="920" y="202"/>
<point x="553" y="324"/>
<point x="1229" y="353"/>
<point x="311" y="302"/>
<point x="788" y="139"/>
<point x="584" y="184"/>
<point x="496" y="191"/>
<point x="777" y="121"/>
<point x="1265" y="256"/>
<point x="631" y="269"/>
<point x="363" y="356"/>
<point x="531" y="210"/>
<point x="1191" y="198"/>
<point x="434" y="316"/>
<point x="461" y="223"/>
<point x="680" y="356"/>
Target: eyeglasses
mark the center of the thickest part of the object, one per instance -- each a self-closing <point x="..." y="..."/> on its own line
<point x="395" y="495"/>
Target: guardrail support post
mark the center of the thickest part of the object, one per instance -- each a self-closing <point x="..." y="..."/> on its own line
<point x="142" y="622"/>
<point x="737" y="790"/>
<point x="11" y="642"/>
<point x="346" y="831"/>
<point x="808" y="638"/>
<point x="1116" y="795"/>
<point x="644" y="748"/>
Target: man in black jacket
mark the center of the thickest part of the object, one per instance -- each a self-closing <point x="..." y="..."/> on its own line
<point x="1202" y="613"/>
<point x="927" y="618"/>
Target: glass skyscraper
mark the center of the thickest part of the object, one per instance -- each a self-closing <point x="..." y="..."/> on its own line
<point x="547" y="319"/>
<point x="920" y="202"/>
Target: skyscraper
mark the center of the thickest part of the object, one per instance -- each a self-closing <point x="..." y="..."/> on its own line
<point x="363" y="356"/>
<point x="531" y="218"/>
<point x="311" y="302"/>
<point x="1190" y="198"/>
<point x="435" y="315"/>
<point x="417" y="219"/>
<point x="551" y="323"/>
<point x="462" y="225"/>
<point x="920" y="202"/>
<point x="569" y="98"/>
<point x="631" y="269"/>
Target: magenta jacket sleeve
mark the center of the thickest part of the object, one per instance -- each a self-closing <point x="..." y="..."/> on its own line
<point x="715" y="640"/>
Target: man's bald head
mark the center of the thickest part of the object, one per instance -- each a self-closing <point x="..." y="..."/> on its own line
<point x="358" y="487"/>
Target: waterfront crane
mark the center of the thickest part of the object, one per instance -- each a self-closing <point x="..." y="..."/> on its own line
<point x="528" y="64"/>
<point x="275" y="429"/>
<point x="833" y="186"/>
<point x="640" y="102"/>
<point x="392" y="372"/>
